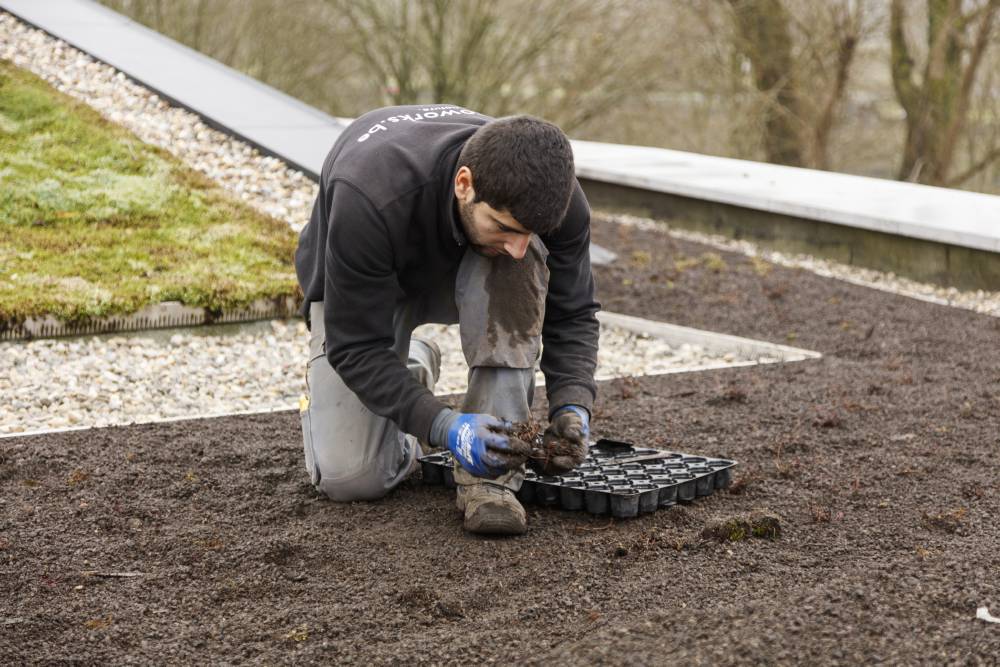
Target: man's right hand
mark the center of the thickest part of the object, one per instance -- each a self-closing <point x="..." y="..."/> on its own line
<point x="479" y="443"/>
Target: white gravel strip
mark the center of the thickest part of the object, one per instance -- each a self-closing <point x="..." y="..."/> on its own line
<point x="104" y="380"/>
<point x="980" y="301"/>
<point x="265" y="183"/>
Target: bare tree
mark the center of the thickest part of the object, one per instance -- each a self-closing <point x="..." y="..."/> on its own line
<point x="286" y="44"/>
<point x="458" y="51"/>
<point x="765" y="36"/>
<point x="939" y="100"/>
<point x="609" y="60"/>
<point x="800" y="62"/>
<point x="846" y="26"/>
<point x="501" y="56"/>
<point x="983" y="135"/>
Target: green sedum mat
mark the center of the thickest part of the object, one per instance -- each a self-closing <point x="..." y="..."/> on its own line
<point x="95" y="222"/>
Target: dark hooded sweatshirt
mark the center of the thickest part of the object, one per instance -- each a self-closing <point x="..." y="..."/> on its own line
<point x="385" y="227"/>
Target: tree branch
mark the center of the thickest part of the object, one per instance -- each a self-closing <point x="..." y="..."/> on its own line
<point x="959" y="118"/>
<point x="907" y="92"/>
<point x="983" y="163"/>
<point x="846" y="48"/>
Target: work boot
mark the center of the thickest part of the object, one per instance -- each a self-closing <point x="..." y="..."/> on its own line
<point x="491" y="510"/>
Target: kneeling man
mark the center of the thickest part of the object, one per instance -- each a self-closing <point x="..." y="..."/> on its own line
<point x="442" y="215"/>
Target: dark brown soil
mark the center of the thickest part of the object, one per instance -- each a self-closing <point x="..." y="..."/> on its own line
<point x="879" y="459"/>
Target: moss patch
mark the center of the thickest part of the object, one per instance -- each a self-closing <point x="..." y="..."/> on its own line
<point x="759" y="524"/>
<point x="95" y="222"/>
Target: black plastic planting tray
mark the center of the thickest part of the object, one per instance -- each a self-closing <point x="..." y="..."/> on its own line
<point x="616" y="479"/>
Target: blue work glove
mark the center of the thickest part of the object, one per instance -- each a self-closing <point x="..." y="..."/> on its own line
<point x="571" y="424"/>
<point x="479" y="442"/>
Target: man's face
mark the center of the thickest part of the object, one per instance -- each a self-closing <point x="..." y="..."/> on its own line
<point x="491" y="233"/>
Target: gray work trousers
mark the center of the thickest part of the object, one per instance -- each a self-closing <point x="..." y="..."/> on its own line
<point x="499" y="303"/>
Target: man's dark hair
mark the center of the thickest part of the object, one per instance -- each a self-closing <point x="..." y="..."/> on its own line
<point x="522" y="165"/>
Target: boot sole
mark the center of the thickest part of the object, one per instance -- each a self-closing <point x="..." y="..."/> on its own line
<point x="496" y="526"/>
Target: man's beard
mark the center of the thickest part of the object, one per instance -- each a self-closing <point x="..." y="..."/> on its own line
<point x="468" y="227"/>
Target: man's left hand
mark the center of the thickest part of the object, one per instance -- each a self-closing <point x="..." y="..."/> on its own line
<point x="571" y="424"/>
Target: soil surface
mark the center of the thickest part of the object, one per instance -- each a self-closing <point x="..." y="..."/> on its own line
<point x="202" y="541"/>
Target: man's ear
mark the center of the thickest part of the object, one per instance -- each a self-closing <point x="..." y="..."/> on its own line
<point x="463" y="185"/>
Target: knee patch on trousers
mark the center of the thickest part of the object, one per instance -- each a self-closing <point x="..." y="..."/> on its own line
<point x="368" y="483"/>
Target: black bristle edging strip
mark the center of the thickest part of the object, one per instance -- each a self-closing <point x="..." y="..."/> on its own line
<point x="617" y="479"/>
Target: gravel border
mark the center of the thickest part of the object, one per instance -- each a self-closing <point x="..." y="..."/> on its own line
<point x="163" y="375"/>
